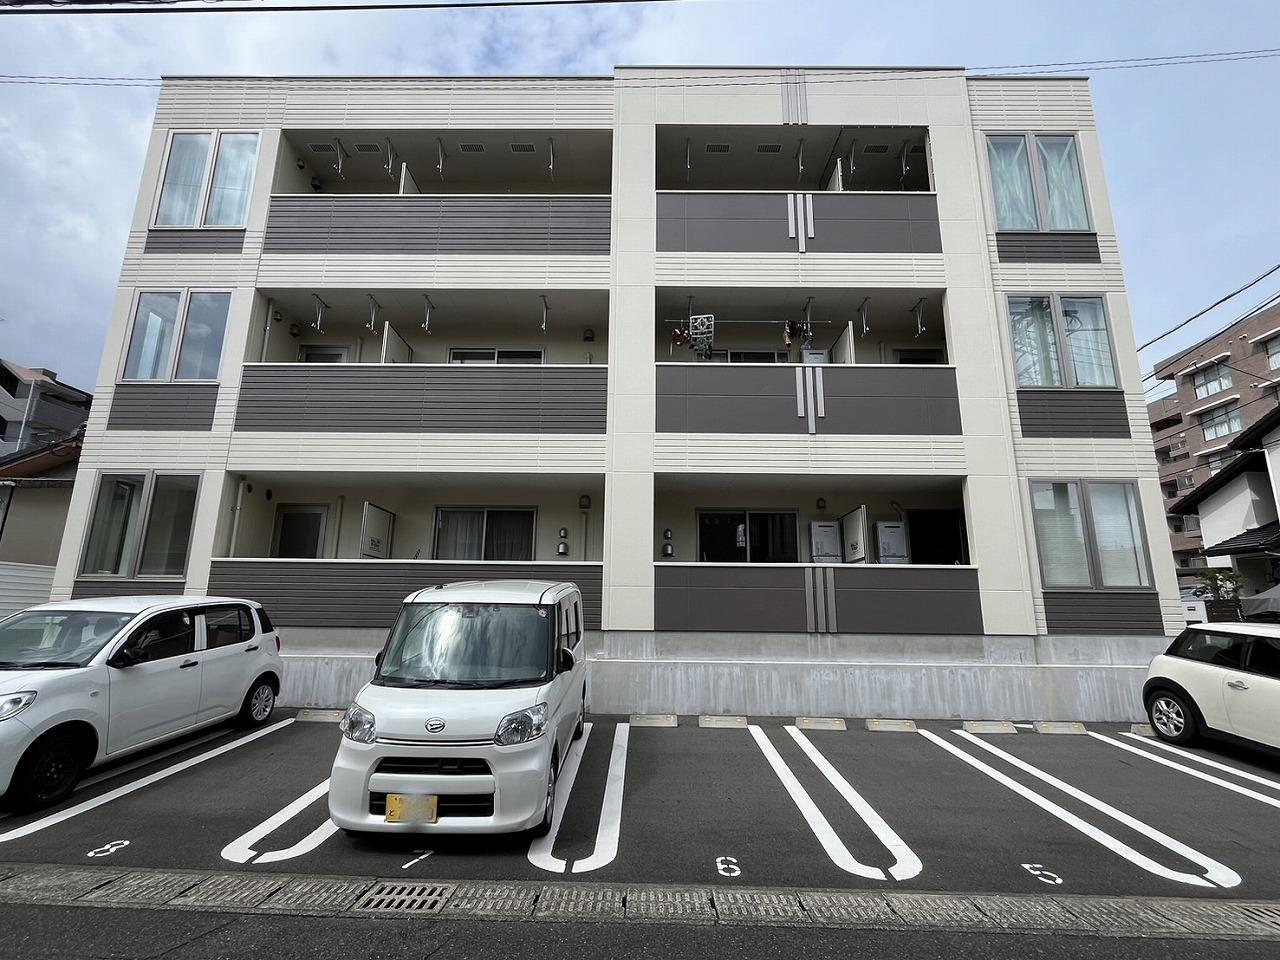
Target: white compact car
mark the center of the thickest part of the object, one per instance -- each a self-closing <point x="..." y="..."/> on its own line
<point x="84" y="681"/>
<point x="478" y="694"/>
<point x="1221" y="678"/>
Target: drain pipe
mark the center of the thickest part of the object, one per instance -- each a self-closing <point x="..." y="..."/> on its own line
<point x="235" y="519"/>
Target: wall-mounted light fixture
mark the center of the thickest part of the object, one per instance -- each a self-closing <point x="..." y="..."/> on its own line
<point x="822" y="503"/>
<point x="668" y="551"/>
<point x="666" y="534"/>
<point x="584" y="502"/>
<point x="562" y="549"/>
<point x="564" y="533"/>
<point x="588" y="335"/>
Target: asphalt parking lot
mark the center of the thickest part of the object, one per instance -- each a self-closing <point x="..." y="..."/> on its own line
<point x="766" y="805"/>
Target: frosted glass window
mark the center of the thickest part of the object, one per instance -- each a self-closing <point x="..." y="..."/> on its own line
<point x="151" y="341"/>
<point x="1035" y="344"/>
<point x="232" y="178"/>
<point x="202" y="335"/>
<point x="1122" y="561"/>
<point x="1059" y="524"/>
<point x="1011" y="186"/>
<point x="1084" y="325"/>
<point x="1064" y="187"/>
<point x="183" y="179"/>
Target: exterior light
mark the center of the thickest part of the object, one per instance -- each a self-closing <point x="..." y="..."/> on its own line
<point x="666" y="534"/>
<point x="564" y="533"/>
<point x="584" y="502"/>
<point x="668" y="550"/>
<point x="822" y="503"/>
<point x="562" y="549"/>
<point x="588" y="335"/>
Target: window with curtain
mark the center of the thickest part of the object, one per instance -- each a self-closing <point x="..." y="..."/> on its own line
<point x="1011" y="185"/>
<point x="1063" y="186"/>
<point x="1035" y="343"/>
<point x="184" y="199"/>
<point x="141" y="525"/>
<point x="232" y="178"/>
<point x="1273" y="353"/>
<point x="1084" y="329"/>
<point x="193" y="325"/>
<point x="183" y="180"/>
<point x="1221" y="422"/>
<point x="1211" y="379"/>
<point x="1089" y="534"/>
<point x="484" y="533"/>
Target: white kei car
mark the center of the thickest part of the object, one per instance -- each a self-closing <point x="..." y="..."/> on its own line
<point x="1217" y="678"/>
<point x="85" y="681"/>
<point x="478" y="694"/>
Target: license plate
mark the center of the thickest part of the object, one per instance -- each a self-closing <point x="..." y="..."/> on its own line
<point x="411" y="808"/>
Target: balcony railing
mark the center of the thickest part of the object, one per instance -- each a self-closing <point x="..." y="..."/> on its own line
<point x="790" y="598"/>
<point x="769" y="222"/>
<point x="422" y="398"/>
<point x="786" y="398"/>
<point x="438" y="225"/>
<point x="368" y="593"/>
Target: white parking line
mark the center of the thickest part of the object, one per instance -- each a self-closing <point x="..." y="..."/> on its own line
<point x="821" y="828"/>
<point x="1198" y="774"/>
<point x="906" y="863"/>
<point x="1234" y="771"/>
<point x="63" y="815"/>
<point x="240" y="850"/>
<point x="308" y="843"/>
<point x="611" y="807"/>
<point x="540" y="850"/>
<point x="1215" y="873"/>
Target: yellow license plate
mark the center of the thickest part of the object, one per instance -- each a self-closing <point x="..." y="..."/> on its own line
<point x="411" y="808"/>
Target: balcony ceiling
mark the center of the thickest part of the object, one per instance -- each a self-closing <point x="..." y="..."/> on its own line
<point x="738" y="488"/>
<point x="886" y="307"/>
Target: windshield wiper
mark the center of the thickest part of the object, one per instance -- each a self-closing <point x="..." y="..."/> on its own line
<point x="415" y="682"/>
<point x="497" y="684"/>
<point x="37" y="664"/>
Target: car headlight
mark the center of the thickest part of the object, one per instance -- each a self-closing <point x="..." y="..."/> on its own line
<point x="11" y="704"/>
<point x="358" y="724"/>
<point x="522" y="726"/>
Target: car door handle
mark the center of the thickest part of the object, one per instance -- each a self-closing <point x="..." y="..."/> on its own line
<point x="188" y="663"/>
<point x="251" y="649"/>
<point x="1237" y="685"/>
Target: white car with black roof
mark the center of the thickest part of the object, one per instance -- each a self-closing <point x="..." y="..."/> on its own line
<point x="86" y="681"/>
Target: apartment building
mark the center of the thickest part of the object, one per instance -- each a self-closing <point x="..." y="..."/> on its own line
<point x="819" y="382"/>
<point x="36" y="408"/>
<point x="1223" y="387"/>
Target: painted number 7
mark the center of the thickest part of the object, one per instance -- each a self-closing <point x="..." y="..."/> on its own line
<point x="1038" y="871"/>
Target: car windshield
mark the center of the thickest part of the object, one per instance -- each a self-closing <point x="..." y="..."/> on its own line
<point x="468" y="645"/>
<point x="56" y="639"/>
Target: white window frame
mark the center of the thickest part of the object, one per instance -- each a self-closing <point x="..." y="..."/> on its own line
<point x="1092" y="555"/>
<point x="1221" y="416"/>
<point x="144" y="503"/>
<point x="321" y="541"/>
<point x="484" y="529"/>
<point x="542" y="355"/>
<point x="202" y="204"/>
<point x="1200" y="379"/>
<point x="1067" y="370"/>
<point x="1273" y="353"/>
<point x="1038" y="186"/>
<point x="179" y="330"/>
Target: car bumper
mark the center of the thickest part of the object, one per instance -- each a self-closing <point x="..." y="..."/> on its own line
<point x="516" y="786"/>
<point x="15" y="738"/>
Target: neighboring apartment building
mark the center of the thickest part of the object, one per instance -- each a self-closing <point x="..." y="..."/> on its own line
<point x="1223" y="386"/>
<point x="37" y="408"/>
<point x="691" y="337"/>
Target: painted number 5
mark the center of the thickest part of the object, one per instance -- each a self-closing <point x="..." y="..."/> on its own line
<point x="728" y="867"/>
<point x="1038" y="871"/>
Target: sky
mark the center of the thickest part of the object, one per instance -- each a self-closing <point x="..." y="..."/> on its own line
<point x="1191" y="153"/>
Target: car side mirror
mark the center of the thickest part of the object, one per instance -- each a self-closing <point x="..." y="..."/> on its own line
<point x="564" y="661"/>
<point x="378" y="658"/>
<point x="124" y="657"/>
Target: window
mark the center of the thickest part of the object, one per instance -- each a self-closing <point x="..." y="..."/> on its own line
<point x="1273" y="353"/>
<point x="117" y="528"/>
<point x="1089" y="534"/>
<point x="299" y="530"/>
<point x="224" y="626"/>
<point x="484" y="533"/>
<point x="190" y="197"/>
<point x="198" y="337"/>
<point x="749" y="356"/>
<point x="1264" y="657"/>
<point x="1186" y="481"/>
<point x="164" y="636"/>
<point x="1211" y="379"/>
<point x="491" y="355"/>
<point x="1045" y="329"/>
<point x="1036" y="182"/>
<point x="1219" y="460"/>
<point x="1191" y="523"/>
<point x="267" y="625"/>
<point x="747" y="536"/>
<point x="1204" y="646"/>
<point x="309" y="353"/>
<point x="1221" y="421"/>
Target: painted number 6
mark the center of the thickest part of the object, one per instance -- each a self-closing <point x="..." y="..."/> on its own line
<point x="728" y="867"/>
<point x="1038" y="871"/>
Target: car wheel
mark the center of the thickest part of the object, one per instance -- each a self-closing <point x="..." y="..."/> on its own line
<point x="258" y="703"/>
<point x="1171" y="717"/>
<point x="549" y="812"/>
<point x="582" y="718"/>
<point x="48" y="771"/>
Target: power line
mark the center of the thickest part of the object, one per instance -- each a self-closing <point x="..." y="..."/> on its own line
<point x="1263" y="304"/>
<point x="1217" y="303"/>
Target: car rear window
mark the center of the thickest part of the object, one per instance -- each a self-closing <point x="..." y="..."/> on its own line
<point x="267" y="626"/>
<point x="1206" y="646"/>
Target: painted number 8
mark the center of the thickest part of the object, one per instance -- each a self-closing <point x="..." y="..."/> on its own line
<point x="728" y="867"/>
<point x="1038" y="871"/>
<point x="108" y="849"/>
